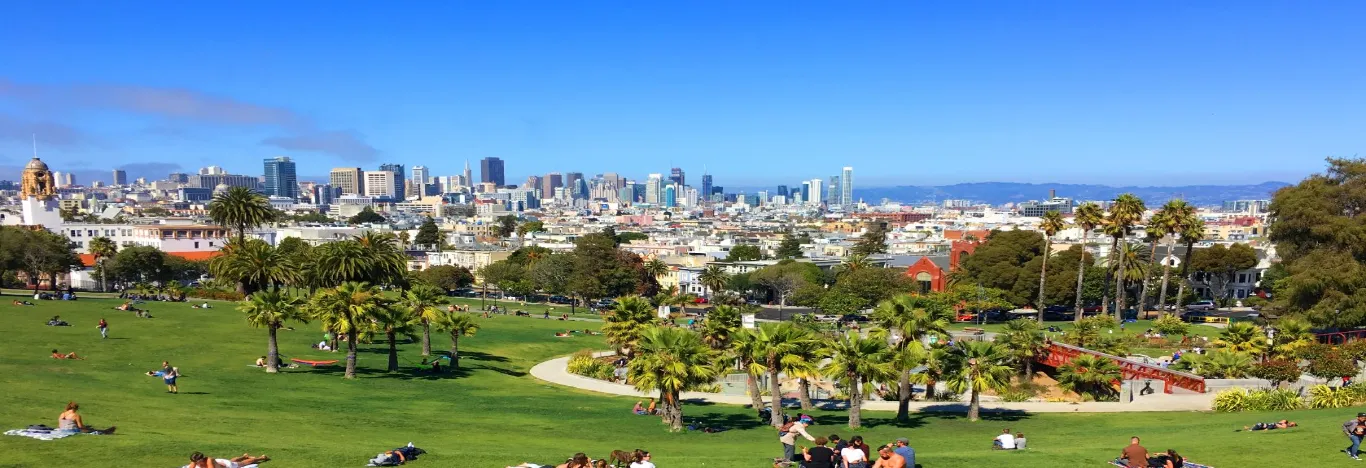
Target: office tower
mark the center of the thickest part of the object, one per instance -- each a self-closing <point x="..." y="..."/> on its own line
<point x="706" y="186"/>
<point x="571" y="183"/>
<point x="177" y="177"/>
<point x="676" y="176"/>
<point x="551" y="182"/>
<point x="832" y="193"/>
<point x="281" y="178"/>
<point x="399" y="180"/>
<point x="638" y="192"/>
<point x="653" y="189"/>
<point x="718" y="193"/>
<point x="532" y="182"/>
<point x="762" y="198"/>
<point x="670" y="195"/>
<point x="468" y="175"/>
<point x="815" y="191"/>
<point x="57" y="178"/>
<point x="420" y="175"/>
<point x="120" y="177"/>
<point x="612" y="181"/>
<point x="350" y="180"/>
<point x="325" y="194"/>
<point x="212" y="182"/>
<point x="782" y="190"/>
<point x="380" y="184"/>
<point x="491" y="171"/>
<point x="847" y="186"/>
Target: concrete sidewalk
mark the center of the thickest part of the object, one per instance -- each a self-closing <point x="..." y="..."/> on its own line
<point x="555" y="371"/>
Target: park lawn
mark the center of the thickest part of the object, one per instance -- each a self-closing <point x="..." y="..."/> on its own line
<point x="488" y="414"/>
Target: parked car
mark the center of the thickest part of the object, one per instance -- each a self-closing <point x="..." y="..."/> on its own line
<point x="1195" y="316"/>
<point x="559" y="300"/>
<point x="854" y="318"/>
<point x="1202" y="305"/>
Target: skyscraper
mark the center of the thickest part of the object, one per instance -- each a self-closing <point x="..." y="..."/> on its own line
<point x="653" y="188"/>
<point x="676" y="176"/>
<point x="814" y="190"/>
<point x="847" y="186"/>
<point x="399" y="180"/>
<point x="706" y="186"/>
<point x="120" y="177"/>
<point x="551" y="182"/>
<point x="380" y="184"/>
<point x="832" y="193"/>
<point x="491" y="171"/>
<point x="782" y="191"/>
<point x="325" y="194"/>
<point x="533" y="183"/>
<point x="671" y="195"/>
<point x="469" y="175"/>
<point x="572" y="181"/>
<point x="281" y="179"/>
<point x="350" y="180"/>
<point x="420" y="175"/>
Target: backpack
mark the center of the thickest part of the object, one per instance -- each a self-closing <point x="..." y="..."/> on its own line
<point x="786" y="427"/>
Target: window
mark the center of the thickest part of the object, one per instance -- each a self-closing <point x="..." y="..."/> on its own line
<point x="1241" y="293"/>
<point x="1242" y="277"/>
<point x="196" y="245"/>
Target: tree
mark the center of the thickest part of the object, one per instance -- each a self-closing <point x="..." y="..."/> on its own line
<point x="625" y="323"/>
<point x="1024" y="339"/>
<point x="270" y="310"/>
<point x="1316" y="227"/>
<point x="428" y="234"/>
<point x="424" y="304"/>
<point x="720" y="326"/>
<point x="456" y="324"/>
<point x="1000" y="262"/>
<point x="1051" y="224"/>
<point x="1293" y="337"/>
<point x="790" y="247"/>
<point x="1218" y="364"/>
<point x="348" y="309"/>
<point x="447" y="277"/>
<point x="1219" y="265"/>
<point x="656" y="267"/>
<point x="103" y="249"/>
<point x="507" y="225"/>
<point x="367" y="215"/>
<point x="670" y="361"/>
<point x="1192" y="231"/>
<point x="855" y="361"/>
<point x="601" y="270"/>
<point x="1243" y="337"/>
<point x="1277" y="371"/>
<point x="782" y="278"/>
<point x="140" y="263"/>
<point x="714" y="279"/>
<point x="504" y="274"/>
<point x="1086" y="217"/>
<point x="553" y="273"/>
<point x="974" y="366"/>
<point x="777" y="347"/>
<point x="1126" y="210"/>
<point x="742" y="253"/>
<point x="1176" y="218"/>
<point x="628" y="236"/>
<point x="873" y="241"/>
<point x="254" y="266"/>
<point x="240" y="209"/>
<point x="42" y="253"/>
<point x="530" y="227"/>
<point x="1090" y="376"/>
<point x="913" y="318"/>
<point x="392" y="322"/>
<point x="1331" y="364"/>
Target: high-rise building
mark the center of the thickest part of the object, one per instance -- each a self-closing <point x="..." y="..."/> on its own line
<point x="533" y="183"/>
<point x="212" y="170"/>
<point x="551" y="182"/>
<point x="671" y="195"/>
<point x="212" y="182"/>
<point x="399" y="180"/>
<point x="469" y="175"/>
<point x="676" y="176"/>
<point x="350" y="180"/>
<point x="421" y="176"/>
<point x="762" y="198"/>
<point x="572" y="181"/>
<point x="120" y="177"/>
<point x="491" y="170"/>
<point x="380" y="184"/>
<point x="179" y="177"/>
<point x="782" y="190"/>
<point x="706" y="186"/>
<point x="325" y="194"/>
<point x="832" y="192"/>
<point x="813" y="191"/>
<point x="847" y="186"/>
<point x="653" y="189"/>
<point x="281" y="178"/>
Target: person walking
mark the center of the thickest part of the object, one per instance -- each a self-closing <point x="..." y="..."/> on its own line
<point x="104" y="329"/>
<point x="1354" y="429"/>
<point x="169" y="378"/>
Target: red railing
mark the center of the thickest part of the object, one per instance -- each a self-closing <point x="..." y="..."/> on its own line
<point x="1337" y="338"/>
<point x="1057" y="354"/>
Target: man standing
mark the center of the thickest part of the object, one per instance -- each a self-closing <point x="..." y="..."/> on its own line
<point x="1134" y="455"/>
<point x="903" y="448"/>
<point x="788" y="436"/>
<point x="1354" y="428"/>
<point x="104" y="329"/>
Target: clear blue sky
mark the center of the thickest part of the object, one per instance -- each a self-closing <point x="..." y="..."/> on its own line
<point x="757" y="92"/>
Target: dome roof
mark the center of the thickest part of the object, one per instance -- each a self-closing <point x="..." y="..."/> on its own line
<point x="35" y="165"/>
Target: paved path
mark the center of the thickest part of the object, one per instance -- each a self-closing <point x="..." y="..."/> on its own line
<point x="555" y="371"/>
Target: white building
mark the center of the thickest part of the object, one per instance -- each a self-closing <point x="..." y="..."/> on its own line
<point x="379" y="184"/>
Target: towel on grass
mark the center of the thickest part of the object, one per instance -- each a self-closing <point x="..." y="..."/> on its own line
<point x="40" y="434"/>
<point x="228" y="464"/>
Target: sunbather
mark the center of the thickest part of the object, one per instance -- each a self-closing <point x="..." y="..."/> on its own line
<point x="198" y="460"/>
<point x="71" y="355"/>
<point x="70" y="421"/>
<point x="561" y="335"/>
<point x="1282" y="424"/>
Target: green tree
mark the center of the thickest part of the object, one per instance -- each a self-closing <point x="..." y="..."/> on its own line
<point x="1086" y="217"/>
<point x="530" y="227"/>
<point x="1220" y="265"/>
<point x="240" y="209"/>
<point x="974" y="366"/>
<point x="714" y="279"/>
<point x="140" y="263"/>
<point x="270" y="310"/>
<point x="871" y="285"/>
<point x="1051" y="224"/>
<point x="720" y="326"/>
<point x="1000" y="262"/>
<point x="785" y="277"/>
<point x="670" y="361"/>
<point x="745" y="349"/>
<point x="553" y="273"/>
<point x="1025" y="341"/>
<point x="1293" y="337"/>
<point x="507" y="225"/>
<point x="1316" y="227"/>
<point x="790" y="247"/>
<point x="103" y="249"/>
<point x="1218" y="364"/>
<point x="447" y="277"/>
<point x="424" y="303"/>
<point x="1090" y="376"/>
<point x="1192" y="231"/>
<point x="1176" y="216"/>
<point x="428" y="234"/>
<point x="1277" y="371"/>
<point x="1126" y="211"/>
<point x="366" y="215"/>
<point x="855" y="361"/>
<point x="456" y="324"/>
<point x="601" y="270"/>
<point x="742" y="253"/>
<point x="255" y="266"/>
<point x="628" y="236"/>
<point x="873" y="241"/>
<point x="656" y="267"/>
<point x="625" y="323"/>
<point x="392" y="322"/>
<point x="1243" y="337"/>
<point x="348" y="309"/>
<point x="912" y="318"/>
<point x="778" y="347"/>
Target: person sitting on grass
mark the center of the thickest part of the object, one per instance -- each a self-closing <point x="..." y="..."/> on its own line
<point x="1005" y="441"/>
<point x="1170" y="459"/>
<point x="1282" y="424"/>
<point x="1019" y="441"/>
<point x="261" y="361"/>
<point x="58" y="355"/>
<point x="579" y="460"/>
<point x="198" y="460"/>
<point x="70" y="421"/>
<point x="57" y="321"/>
<point x="639" y="409"/>
<point x="1134" y="455"/>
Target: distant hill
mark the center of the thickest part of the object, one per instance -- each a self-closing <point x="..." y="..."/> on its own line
<point x="997" y="193"/>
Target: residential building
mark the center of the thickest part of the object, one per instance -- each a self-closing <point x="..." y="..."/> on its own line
<point x="350" y="180"/>
<point x="813" y="190"/>
<point x="654" y="188"/>
<point x="281" y="178"/>
<point x="491" y="171"/>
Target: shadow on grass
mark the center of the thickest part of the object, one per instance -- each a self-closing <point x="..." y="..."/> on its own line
<point x="404" y="373"/>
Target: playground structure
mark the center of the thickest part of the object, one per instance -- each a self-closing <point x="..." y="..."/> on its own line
<point x="1056" y="354"/>
<point x="1340" y="337"/>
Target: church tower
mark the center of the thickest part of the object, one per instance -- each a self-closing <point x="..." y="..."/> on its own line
<point x="38" y="196"/>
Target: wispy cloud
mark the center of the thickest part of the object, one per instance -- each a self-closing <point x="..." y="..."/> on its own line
<point x="184" y="105"/>
<point x="51" y="133"/>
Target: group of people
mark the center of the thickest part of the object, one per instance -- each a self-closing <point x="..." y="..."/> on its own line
<point x="168" y="376"/>
<point x="1136" y="456"/>
<point x="637" y="459"/>
<point x="645" y="411"/>
<point x="1009" y="441"/>
<point x="834" y="452"/>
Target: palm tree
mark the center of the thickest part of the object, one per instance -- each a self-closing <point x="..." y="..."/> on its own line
<point x="745" y="349"/>
<point x="102" y="248"/>
<point x="1219" y="364"/>
<point x="1129" y="259"/>
<point x="1293" y="336"/>
<point x="720" y="326"/>
<point x="854" y="263"/>
<point x="1090" y="375"/>
<point x="1025" y="341"/>
<point x="855" y="361"/>
<point x="1175" y="216"/>
<point x="1086" y="217"/>
<point x="392" y="322"/>
<point x="1126" y="211"/>
<point x="914" y="318"/>
<point x="670" y="361"/>
<point x="254" y="266"/>
<point x="457" y="324"/>
<point x="974" y="366"/>
<point x="1153" y="233"/>
<point x="348" y="309"/>
<point x="1050" y="225"/>
<point x="1243" y="337"/>
<point x="240" y="209"/>
<point x="423" y="302"/>
<point x="388" y="264"/>
<point x="714" y="279"/>
<point x="1192" y="231"/>
<point x="935" y="358"/>
<point x="804" y="367"/>
<point x="626" y="322"/>
<point x="270" y="310"/>
<point x="656" y="268"/>
<point x="338" y="262"/>
<point x="778" y="347"/>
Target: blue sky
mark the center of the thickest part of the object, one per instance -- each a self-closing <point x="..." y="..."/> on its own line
<point x="1152" y="93"/>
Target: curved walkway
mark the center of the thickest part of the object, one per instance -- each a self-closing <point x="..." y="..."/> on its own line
<point x="556" y="371"/>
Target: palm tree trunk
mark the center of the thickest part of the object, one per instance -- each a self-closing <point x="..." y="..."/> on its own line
<point x="673" y="411"/>
<point x="929" y="388"/>
<point x="775" y="394"/>
<point x="350" y="355"/>
<point x="455" y="351"/>
<point x="975" y="405"/>
<point x="1081" y="274"/>
<point x="1043" y="274"/>
<point x="1109" y="275"/>
<point x="804" y="393"/>
<point x="903" y="396"/>
<point x="855" y="403"/>
<point x="755" y="398"/>
<point x="1185" y="265"/>
<point x="426" y="338"/>
<point x="1143" y="294"/>
<point x="103" y="281"/>
<point x="272" y="352"/>
<point x="1166" y="270"/>
<point x="393" y="352"/>
<point x="1121" y="294"/>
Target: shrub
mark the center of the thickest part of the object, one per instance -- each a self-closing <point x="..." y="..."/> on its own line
<point x="1277" y="371"/>
<point x="1323" y="396"/>
<point x="1274" y="400"/>
<point x="1357" y="391"/>
<point x="213" y="294"/>
<point x="1355" y="349"/>
<point x="1332" y="364"/>
<point x="583" y="363"/>
<point x="1016" y="394"/>
<point x="1232" y="400"/>
<point x="1217" y="364"/>
<point x="947" y="396"/>
<point x="713" y="388"/>
<point x="1170" y="325"/>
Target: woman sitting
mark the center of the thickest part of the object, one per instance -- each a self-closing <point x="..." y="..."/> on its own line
<point x="198" y="460"/>
<point x="70" y="421"/>
<point x="639" y="409"/>
<point x="71" y="355"/>
<point x="261" y="361"/>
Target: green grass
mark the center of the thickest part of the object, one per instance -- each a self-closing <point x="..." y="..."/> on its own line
<point x="489" y="414"/>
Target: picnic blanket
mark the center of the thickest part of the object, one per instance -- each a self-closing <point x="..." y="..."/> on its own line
<point x="1187" y="464"/>
<point x="314" y="363"/>
<point x="227" y="462"/>
<point x="40" y="434"/>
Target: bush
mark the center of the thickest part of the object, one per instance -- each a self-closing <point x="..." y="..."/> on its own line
<point x="1170" y="325"/>
<point x="1016" y="395"/>
<point x="1355" y="349"/>
<point x="214" y="294"/>
<point x="1232" y="400"/>
<point x="947" y="396"/>
<point x="1331" y="365"/>
<point x="1274" y="400"/>
<point x="583" y="363"/>
<point x="1277" y="371"/>
<point x="1323" y="396"/>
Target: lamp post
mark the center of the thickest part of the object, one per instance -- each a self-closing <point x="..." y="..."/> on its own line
<point x="1270" y="340"/>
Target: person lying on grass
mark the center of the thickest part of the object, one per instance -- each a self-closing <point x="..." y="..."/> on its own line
<point x="70" y="421"/>
<point x="58" y="355"/>
<point x="198" y="460"/>
<point x="1282" y="424"/>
